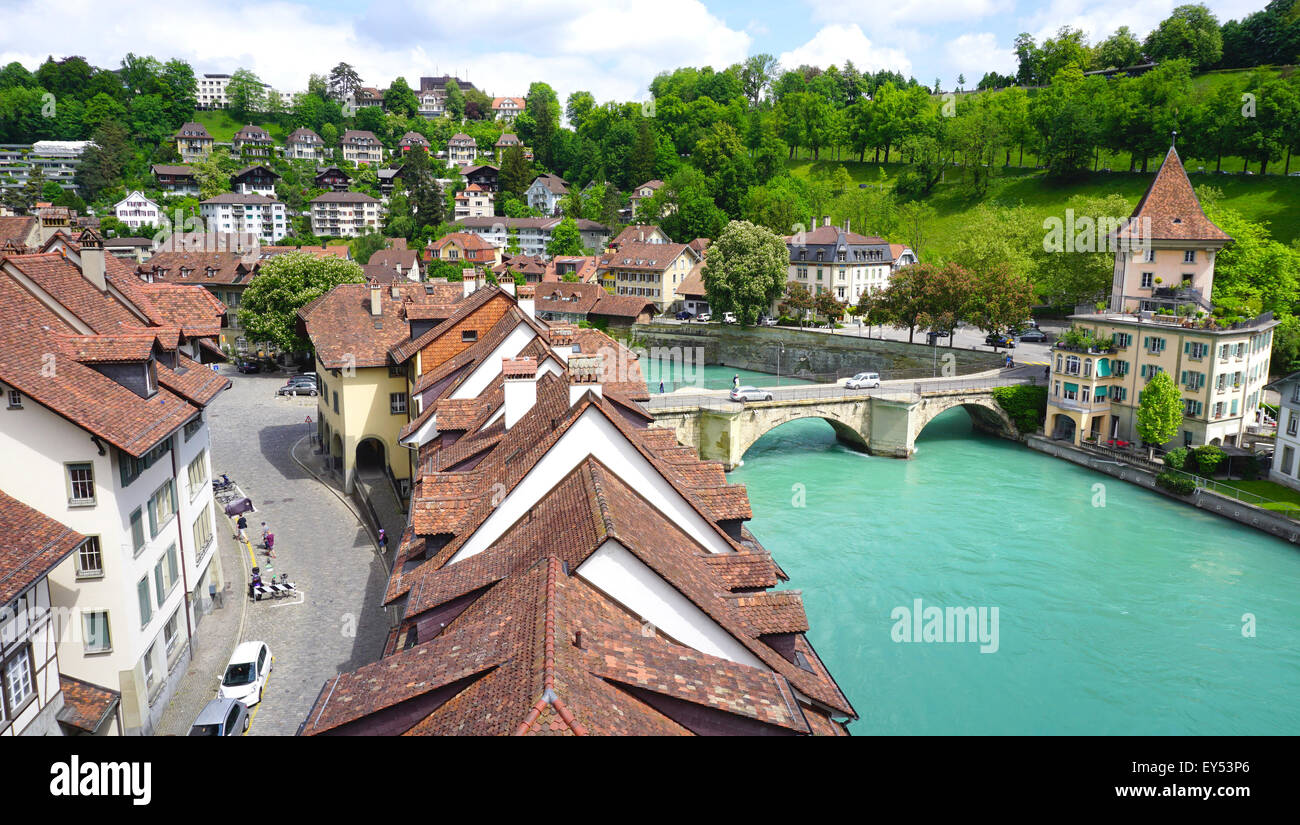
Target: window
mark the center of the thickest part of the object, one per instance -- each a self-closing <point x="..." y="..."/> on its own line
<point x="162" y="506"/>
<point x="396" y="371"/>
<point x="193" y="426"/>
<point x="1292" y="421"/>
<point x="1072" y="365"/>
<point x="95" y="635"/>
<point x="1118" y="393"/>
<point x="198" y="474"/>
<point x="15" y="400"/>
<point x="171" y="632"/>
<point x="149" y="673"/>
<point x="90" y="561"/>
<point x="1121" y="339"/>
<point x="336" y="401"/>
<point x="165" y="575"/>
<point x="1071" y="391"/>
<point x="1148" y="280"/>
<point x="1189" y="256"/>
<point x="1195" y="350"/>
<point x="142" y="595"/>
<point x="1154" y="344"/>
<point x="81" y="484"/>
<point x="202" y="531"/>
<point x="18" y="678"/>
<point x="397" y="403"/>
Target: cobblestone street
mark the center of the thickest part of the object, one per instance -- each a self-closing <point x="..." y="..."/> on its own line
<point x="336" y="623"/>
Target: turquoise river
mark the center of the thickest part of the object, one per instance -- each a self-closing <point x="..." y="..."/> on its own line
<point x="1120" y="611"/>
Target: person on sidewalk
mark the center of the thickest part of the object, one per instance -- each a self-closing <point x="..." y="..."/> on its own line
<point x="383" y="540"/>
<point x="266" y="531"/>
<point x="241" y="524"/>
<point x="269" y="541"/>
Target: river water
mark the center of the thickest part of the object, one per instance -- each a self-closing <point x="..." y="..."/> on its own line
<point x="1119" y="611"/>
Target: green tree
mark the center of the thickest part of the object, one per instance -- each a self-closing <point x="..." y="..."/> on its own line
<point x="102" y="164"/>
<point x="745" y="270"/>
<point x="798" y="302"/>
<point x="1160" y="412"/>
<point x="245" y="93"/>
<point x="1190" y="32"/>
<point x="515" y="175"/>
<point x="455" y="101"/>
<point x="1121" y="50"/>
<point x="343" y="81"/>
<point x="269" y="309"/>
<point x="578" y="106"/>
<point x="400" y="99"/>
<point x="565" y="239"/>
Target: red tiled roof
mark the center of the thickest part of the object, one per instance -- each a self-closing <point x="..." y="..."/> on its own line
<point x="1171" y="206"/>
<point x="86" y="706"/>
<point x="31" y="545"/>
<point x="341" y="325"/>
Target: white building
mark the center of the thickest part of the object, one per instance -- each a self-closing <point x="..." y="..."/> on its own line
<point x="304" y="144"/>
<point x="246" y="214"/>
<point x="474" y="202"/>
<point x="843" y="263"/>
<point x="360" y="146"/>
<point x="135" y="210"/>
<point x="114" y="445"/>
<point x="545" y="193"/>
<point x="461" y="149"/>
<point x="345" y="214"/>
<point x="1285" y="469"/>
<point x="57" y="160"/>
<point x="210" y="91"/>
<point x="533" y="234"/>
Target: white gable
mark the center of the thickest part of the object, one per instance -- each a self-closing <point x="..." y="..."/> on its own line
<point x="594" y="435"/>
<point x="618" y="573"/>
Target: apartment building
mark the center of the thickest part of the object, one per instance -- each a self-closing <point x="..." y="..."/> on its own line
<point x="304" y="144"/>
<point x="210" y="91"/>
<point x="461" y="149"/>
<point x="193" y="142"/>
<point x="641" y="194"/>
<point x="843" y="263"/>
<point x="1220" y="367"/>
<point x="254" y="180"/>
<point x="507" y="108"/>
<point x="474" y="202"/>
<point x="532" y="234"/>
<point x="1285" y="469"/>
<point x="112" y="441"/>
<point x="57" y="161"/>
<point x="253" y="142"/>
<point x="136" y="210"/>
<point x="647" y="270"/>
<point x="250" y="214"/>
<point x="345" y="214"/>
<point x="360" y="146"/>
<point x="545" y="193"/>
<point x="178" y="180"/>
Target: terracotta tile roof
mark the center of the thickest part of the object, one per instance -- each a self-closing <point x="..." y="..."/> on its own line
<point x="193" y="309"/>
<point x="253" y="134"/>
<point x="636" y="233"/>
<point x="644" y="256"/>
<point x="339" y="251"/>
<point x="359" y="137"/>
<point x="772" y="612"/>
<point x="227" y="268"/>
<point x="192" y="381"/>
<point x="31" y="545"/>
<point x="568" y="297"/>
<point x="623" y="306"/>
<point x="18" y="229"/>
<point x="402" y="350"/>
<point x="172" y="169"/>
<point x="302" y="132"/>
<point x="1171" y="206"/>
<point x="86" y="706"/>
<point x="340" y="323"/>
<point x="193" y="130"/>
<point x="62" y="280"/>
<point x="406" y="258"/>
<point x="554" y="183"/>
<point x="693" y="284"/>
<point x="111" y="348"/>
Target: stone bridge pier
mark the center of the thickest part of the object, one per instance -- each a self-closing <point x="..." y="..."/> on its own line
<point x="881" y="424"/>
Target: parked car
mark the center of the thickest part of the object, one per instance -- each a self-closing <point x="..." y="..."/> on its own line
<point x="938" y="333"/>
<point x="221" y="717"/>
<point x="683" y="316"/>
<point x="766" y="321"/>
<point x="743" y="394"/>
<point x="1032" y="335"/>
<point x="997" y="339"/>
<point x="863" y="381"/>
<point x="728" y="318"/>
<point x="246" y="673"/>
<point x="299" y="385"/>
<point x="248" y="365"/>
<point x="704" y="316"/>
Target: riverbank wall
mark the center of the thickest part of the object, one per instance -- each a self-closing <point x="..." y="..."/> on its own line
<point x="1248" y="514"/>
<point x="811" y="355"/>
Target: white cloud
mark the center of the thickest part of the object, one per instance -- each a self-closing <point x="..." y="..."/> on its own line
<point x="838" y="42"/>
<point x="909" y="12"/>
<point x="974" y="54"/>
<point x="613" y="49"/>
<point x="1100" y="18"/>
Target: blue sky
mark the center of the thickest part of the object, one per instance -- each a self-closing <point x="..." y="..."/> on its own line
<point x="612" y="48"/>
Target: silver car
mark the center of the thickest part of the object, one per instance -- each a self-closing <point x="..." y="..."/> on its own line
<point x="743" y="394"/>
<point x="221" y="717"/>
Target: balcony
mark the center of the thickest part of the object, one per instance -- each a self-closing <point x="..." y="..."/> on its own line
<point x="1093" y="406"/>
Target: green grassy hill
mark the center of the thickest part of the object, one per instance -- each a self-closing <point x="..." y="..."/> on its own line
<point x="222" y="126"/>
<point x="1273" y="198"/>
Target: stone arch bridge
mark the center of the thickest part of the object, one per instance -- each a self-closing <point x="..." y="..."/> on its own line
<point x="883" y="421"/>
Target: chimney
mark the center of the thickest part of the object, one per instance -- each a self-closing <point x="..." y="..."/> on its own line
<point x="524" y="295"/>
<point x="508" y="285"/>
<point x="376" y="299"/>
<point x="584" y="374"/>
<point x="846" y="226"/>
<point x="393" y="291"/>
<point x="826" y="220"/>
<point x="560" y="338"/>
<point x="92" y="259"/>
<point x="520" y="386"/>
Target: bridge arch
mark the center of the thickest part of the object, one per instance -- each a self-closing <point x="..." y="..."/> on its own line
<point x="984" y="411"/>
<point x="847" y="427"/>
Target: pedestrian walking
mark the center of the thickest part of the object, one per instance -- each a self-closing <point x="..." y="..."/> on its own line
<point x="661" y="388"/>
<point x="383" y="540"/>
<point x="240" y="525"/>
<point x="266" y="531"/>
<point x="269" y="542"/>
<point x="735" y="381"/>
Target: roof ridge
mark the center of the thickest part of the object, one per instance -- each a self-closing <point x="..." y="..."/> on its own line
<point x="549" y="696"/>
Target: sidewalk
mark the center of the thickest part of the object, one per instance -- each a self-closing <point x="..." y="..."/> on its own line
<point x="217" y="636"/>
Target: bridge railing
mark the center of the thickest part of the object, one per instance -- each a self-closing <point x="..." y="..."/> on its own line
<point x="838" y="392"/>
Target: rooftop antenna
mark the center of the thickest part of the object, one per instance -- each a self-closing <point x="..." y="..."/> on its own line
<point x="1173" y="138"/>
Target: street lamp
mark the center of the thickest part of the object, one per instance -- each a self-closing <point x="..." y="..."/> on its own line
<point x="780" y="349"/>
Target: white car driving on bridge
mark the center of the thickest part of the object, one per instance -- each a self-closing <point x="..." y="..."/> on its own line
<point x="863" y="381"/>
<point x="743" y="394"/>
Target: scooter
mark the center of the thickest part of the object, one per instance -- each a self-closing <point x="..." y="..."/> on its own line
<point x="224" y="484"/>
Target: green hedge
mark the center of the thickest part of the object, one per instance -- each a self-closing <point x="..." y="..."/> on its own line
<point x="1025" y="404"/>
<point x="1175" y="483"/>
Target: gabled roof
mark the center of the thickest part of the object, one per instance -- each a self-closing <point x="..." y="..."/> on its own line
<point x="653" y="256"/>
<point x="171" y="169"/>
<point x="248" y="170"/>
<point x="252" y="133"/>
<point x="341" y="326"/>
<point x="31" y="545"/>
<point x="553" y="183"/>
<point x="298" y="134"/>
<point x="1171" y="206"/>
<point x="402" y="350"/>
<point x="193" y="130"/>
<point x="227" y="267"/>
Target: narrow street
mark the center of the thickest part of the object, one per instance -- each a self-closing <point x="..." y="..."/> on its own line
<point x="336" y="622"/>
